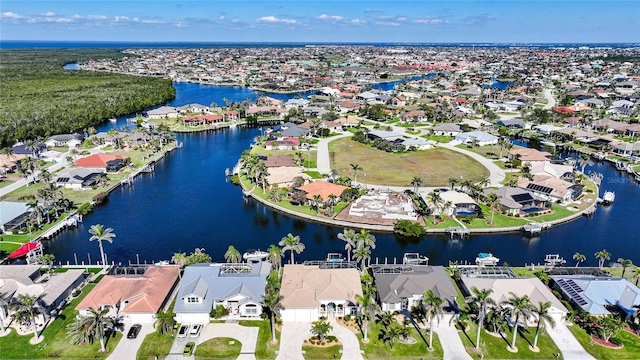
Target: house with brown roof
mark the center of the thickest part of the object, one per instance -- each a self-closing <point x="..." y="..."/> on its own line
<point x="531" y="156"/>
<point x="310" y="292"/>
<point x="322" y="188"/>
<point x="101" y="161"/>
<point x="135" y="298"/>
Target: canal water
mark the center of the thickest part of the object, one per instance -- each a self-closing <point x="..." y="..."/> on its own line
<point x="187" y="203"/>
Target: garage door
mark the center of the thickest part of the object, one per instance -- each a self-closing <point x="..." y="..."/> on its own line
<point x="299" y="315"/>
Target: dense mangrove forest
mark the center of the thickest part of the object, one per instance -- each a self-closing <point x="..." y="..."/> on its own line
<point x="39" y="98"/>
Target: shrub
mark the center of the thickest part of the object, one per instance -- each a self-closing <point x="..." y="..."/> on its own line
<point x="219" y="312"/>
<point x="408" y="228"/>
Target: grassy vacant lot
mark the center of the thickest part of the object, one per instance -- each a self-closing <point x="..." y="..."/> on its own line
<point x="265" y="349"/>
<point x="434" y="166"/>
<point x="219" y="348"/>
<point x="496" y="347"/>
<point x="631" y="349"/>
<point x="55" y="344"/>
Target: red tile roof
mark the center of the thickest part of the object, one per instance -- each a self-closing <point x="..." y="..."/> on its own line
<point x="97" y="160"/>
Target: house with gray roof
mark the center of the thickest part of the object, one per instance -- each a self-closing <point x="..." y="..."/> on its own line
<point x="70" y="140"/>
<point x="401" y="287"/>
<point x="237" y="287"/>
<point x="79" y="178"/>
<point x="12" y="215"/>
<point x="290" y="129"/>
<point x="447" y="129"/>
<point x="516" y="201"/>
<point x="594" y="294"/>
<point x="480" y="138"/>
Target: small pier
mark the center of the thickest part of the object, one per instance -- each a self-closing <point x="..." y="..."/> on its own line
<point x="457" y="232"/>
<point x="71" y="221"/>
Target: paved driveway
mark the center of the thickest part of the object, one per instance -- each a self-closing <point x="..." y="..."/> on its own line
<point x="291" y="339"/>
<point x="248" y="336"/>
<point x="450" y="340"/>
<point x="566" y="342"/>
<point x="128" y="348"/>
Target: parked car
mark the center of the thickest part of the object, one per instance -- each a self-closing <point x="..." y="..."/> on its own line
<point x="183" y="331"/>
<point x="188" y="349"/>
<point x="195" y="330"/>
<point x="134" y="331"/>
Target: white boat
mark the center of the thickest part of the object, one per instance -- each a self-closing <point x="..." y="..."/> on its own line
<point x="599" y="156"/>
<point x="162" y="263"/>
<point x="621" y="166"/>
<point x="608" y="197"/>
<point x="486" y="259"/>
<point x="548" y="143"/>
<point x="255" y="255"/>
<point x="414" y="259"/>
<point x="334" y="257"/>
<point x="113" y="120"/>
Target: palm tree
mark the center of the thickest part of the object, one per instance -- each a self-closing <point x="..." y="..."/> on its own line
<point x="317" y="200"/>
<point x="333" y="199"/>
<point x="390" y="334"/>
<point x="368" y="308"/>
<point x="602" y="256"/>
<point x="518" y="307"/>
<point x="492" y="201"/>
<point x="355" y="168"/>
<point x="98" y="232"/>
<point x="321" y="328"/>
<point x="164" y="321"/>
<point x="433" y="309"/>
<point x="435" y="200"/>
<point x="361" y="255"/>
<point x="3" y="310"/>
<point x="453" y="181"/>
<point x="481" y="300"/>
<point x="365" y="239"/>
<point x="579" y="258"/>
<point x="496" y="320"/>
<point x="271" y="301"/>
<point x="636" y="274"/>
<point x="416" y="182"/>
<point x="291" y="243"/>
<point x="232" y="255"/>
<point x="349" y="238"/>
<point x="625" y="264"/>
<point x="275" y="256"/>
<point x="26" y="308"/>
<point x="542" y="314"/>
<point x="96" y="324"/>
<point x="385" y="318"/>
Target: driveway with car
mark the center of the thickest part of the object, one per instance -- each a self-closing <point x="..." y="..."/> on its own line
<point x="128" y="348"/>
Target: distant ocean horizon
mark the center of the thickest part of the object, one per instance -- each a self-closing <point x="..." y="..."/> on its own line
<point x="41" y="44"/>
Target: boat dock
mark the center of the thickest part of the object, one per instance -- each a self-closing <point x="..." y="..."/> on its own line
<point x="70" y="221"/>
<point x="457" y="232"/>
<point x="535" y="228"/>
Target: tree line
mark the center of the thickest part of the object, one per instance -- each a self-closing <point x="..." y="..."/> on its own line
<point x="40" y="98"/>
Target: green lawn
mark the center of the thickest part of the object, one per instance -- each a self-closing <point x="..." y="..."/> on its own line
<point x="316" y="352"/>
<point x="438" y="138"/>
<point x="218" y="348"/>
<point x="55" y="344"/>
<point x="434" y="166"/>
<point x="265" y="349"/>
<point x="631" y="349"/>
<point x="496" y="347"/>
<point x="155" y="344"/>
<point x="490" y="152"/>
<point x="377" y="349"/>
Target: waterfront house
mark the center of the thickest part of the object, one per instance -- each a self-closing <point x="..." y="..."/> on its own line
<point x="29" y="280"/>
<point x="503" y="287"/>
<point x="65" y="140"/>
<point x="516" y="201"/>
<point x="512" y="124"/>
<point x="102" y="161"/>
<point x="551" y="187"/>
<point x="461" y="204"/>
<point x="237" y="287"/>
<point x="310" y="292"/>
<point x="79" y="178"/>
<point x="285" y="143"/>
<point x="135" y="298"/>
<point x="193" y="108"/>
<point x="401" y="287"/>
<point x="595" y="294"/>
<point x="479" y="138"/>
<point x="531" y="156"/>
<point x="626" y="149"/>
<point x="12" y="215"/>
<point x="322" y="188"/>
<point x="163" y="112"/>
<point x="279" y="161"/>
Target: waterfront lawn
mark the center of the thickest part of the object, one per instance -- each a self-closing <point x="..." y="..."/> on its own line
<point x="265" y="349"/>
<point x="630" y="350"/>
<point x="434" y="166"/>
<point x="447" y="223"/>
<point x="55" y="343"/>
<point x="377" y="349"/>
<point x="219" y="348"/>
<point x="318" y="352"/>
<point x="7" y="248"/>
<point x="496" y="347"/>
<point x="498" y="219"/>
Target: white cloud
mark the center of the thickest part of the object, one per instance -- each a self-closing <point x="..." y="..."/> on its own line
<point x="180" y="25"/>
<point x="11" y="15"/>
<point x="96" y="17"/>
<point x="477" y="19"/>
<point x="387" y="23"/>
<point x="332" y="18"/>
<point x="433" y="20"/>
<point x="273" y="19"/>
<point x="357" y="22"/>
<point x="221" y="18"/>
<point x="49" y="13"/>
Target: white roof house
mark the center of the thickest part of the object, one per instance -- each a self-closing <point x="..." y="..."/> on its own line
<point x="480" y="138"/>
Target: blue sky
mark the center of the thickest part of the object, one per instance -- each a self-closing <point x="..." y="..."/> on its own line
<point x="322" y="21"/>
